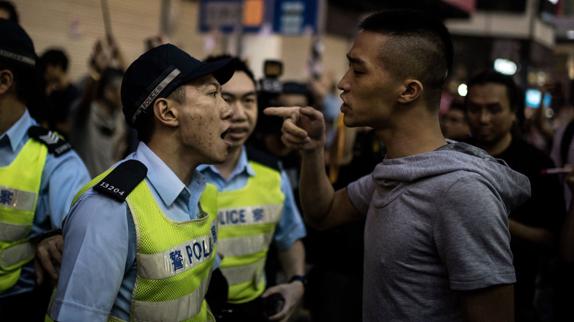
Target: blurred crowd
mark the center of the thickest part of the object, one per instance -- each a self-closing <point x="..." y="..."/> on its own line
<point x="493" y="116"/>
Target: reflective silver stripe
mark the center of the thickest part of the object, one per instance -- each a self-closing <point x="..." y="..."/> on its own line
<point x="17" y="199"/>
<point x="14" y="232"/>
<point x="15" y="254"/>
<point x="240" y="274"/>
<point x="152" y="96"/>
<point x="17" y="57"/>
<point x="249" y="215"/>
<point x="176" y="260"/>
<point x="174" y="310"/>
<point x="240" y="246"/>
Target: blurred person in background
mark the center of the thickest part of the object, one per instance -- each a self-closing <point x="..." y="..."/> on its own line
<point x="563" y="143"/>
<point x="39" y="175"/>
<point x="255" y="207"/>
<point x="491" y="105"/>
<point x="453" y="123"/>
<point x="8" y="11"/>
<point x="99" y="129"/>
<point x="434" y="210"/>
<point x="61" y="93"/>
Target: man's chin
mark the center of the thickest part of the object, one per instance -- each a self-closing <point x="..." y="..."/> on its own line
<point x="220" y="157"/>
<point x="234" y="144"/>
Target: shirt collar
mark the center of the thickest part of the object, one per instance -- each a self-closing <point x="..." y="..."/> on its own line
<point x="162" y="178"/>
<point x="241" y="167"/>
<point x="18" y="131"/>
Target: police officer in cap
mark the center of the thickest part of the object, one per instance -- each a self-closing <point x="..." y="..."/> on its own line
<point x="137" y="244"/>
<point x="256" y="207"/>
<point x="39" y="175"/>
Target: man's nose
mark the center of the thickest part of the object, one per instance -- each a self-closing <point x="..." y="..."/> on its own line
<point x="226" y="110"/>
<point x="237" y="110"/>
<point x="485" y="117"/>
<point x="343" y="84"/>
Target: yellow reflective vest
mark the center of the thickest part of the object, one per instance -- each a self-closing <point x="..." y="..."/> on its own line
<point x="173" y="260"/>
<point x="19" y="191"/>
<point x="247" y="219"/>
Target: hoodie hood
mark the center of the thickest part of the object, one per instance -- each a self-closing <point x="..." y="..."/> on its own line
<point x="392" y="174"/>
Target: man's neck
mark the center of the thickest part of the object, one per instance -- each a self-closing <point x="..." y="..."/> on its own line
<point x="226" y="167"/>
<point x="412" y="134"/>
<point x="498" y="147"/>
<point x="11" y="110"/>
<point x="178" y="159"/>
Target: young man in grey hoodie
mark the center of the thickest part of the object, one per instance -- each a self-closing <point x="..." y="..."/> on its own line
<point x="436" y="236"/>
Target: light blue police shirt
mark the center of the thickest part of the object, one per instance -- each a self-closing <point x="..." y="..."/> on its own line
<point x="98" y="271"/>
<point x="62" y="177"/>
<point x="290" y="227"/>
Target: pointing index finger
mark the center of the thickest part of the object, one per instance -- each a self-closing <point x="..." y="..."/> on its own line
<point x="284" y="112"/>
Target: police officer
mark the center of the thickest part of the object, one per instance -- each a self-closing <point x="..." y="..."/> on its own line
<point x="255" y="206"/>
<point x="137" y="246"/>
<point x="39" y="175"/>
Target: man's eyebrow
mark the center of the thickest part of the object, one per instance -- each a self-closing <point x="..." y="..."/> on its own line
<point x="213" y="83"/>
<point x="242" y="95"/>
<point x="355" y="60"/>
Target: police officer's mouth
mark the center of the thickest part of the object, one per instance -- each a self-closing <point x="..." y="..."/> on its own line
<point x="237" y="133"/>
<point x="223" y="134"/>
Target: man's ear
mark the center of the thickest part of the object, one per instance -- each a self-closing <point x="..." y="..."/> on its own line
<point x="6" y="81"/>
<point x="412" y="89"/>
<point x="165" y="111"/>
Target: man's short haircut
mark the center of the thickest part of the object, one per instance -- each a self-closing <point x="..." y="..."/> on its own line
<point x="178" y="95"/>
<point x="54" y="57"/>
<point x="9" y="7"/>
<point x="238" y="65"/>
<point x="421" y="48"/>
<point x="493" y="77"/>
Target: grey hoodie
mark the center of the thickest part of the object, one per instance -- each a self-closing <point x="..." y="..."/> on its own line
<point x="437" y="223"/>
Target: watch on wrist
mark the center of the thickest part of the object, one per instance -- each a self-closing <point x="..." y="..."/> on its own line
<point x="299" y="278"/>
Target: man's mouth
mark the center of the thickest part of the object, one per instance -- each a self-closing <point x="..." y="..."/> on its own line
<point x="224" y="133"/>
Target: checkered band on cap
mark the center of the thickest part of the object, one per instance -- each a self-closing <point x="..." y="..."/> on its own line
<point x="163" y="83"/>
<point x="17" y="57"/>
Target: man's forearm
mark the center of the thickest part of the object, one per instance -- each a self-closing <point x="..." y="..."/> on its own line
<point x="535" y="235"/>
<point x="316" y="192"/>
<point x="493" y="304"/>
<point x="293" y="259"/>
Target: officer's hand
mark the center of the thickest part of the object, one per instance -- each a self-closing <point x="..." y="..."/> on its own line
<point x="303" y="127"/>
<point x="292" y="293"/>
<point x="49" y="257"/>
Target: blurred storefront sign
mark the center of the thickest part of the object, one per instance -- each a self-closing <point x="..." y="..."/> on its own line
<point x="287" y="17"/>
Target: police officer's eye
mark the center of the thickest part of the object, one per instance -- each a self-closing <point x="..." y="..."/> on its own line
<point x="228" y="98"/>
<point x="249" y="100"/>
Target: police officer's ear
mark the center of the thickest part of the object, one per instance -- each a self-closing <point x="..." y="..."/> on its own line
<point x="412" y="89"/>
<point x="6" y="81"/>
<point x="165" y="112"/>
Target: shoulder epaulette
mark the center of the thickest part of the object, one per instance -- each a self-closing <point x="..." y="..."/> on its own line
<point x="55" y="143"/>
<point x="264" y="158"/>
<point x="122" y="180"/>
